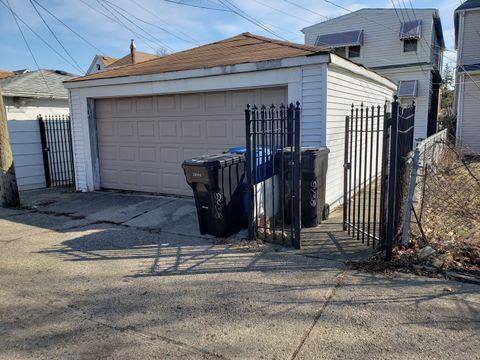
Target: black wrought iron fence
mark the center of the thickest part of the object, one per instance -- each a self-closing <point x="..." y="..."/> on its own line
<point x="273" y="173"/>
<point x="57" y="151"/>
<point x="377" y="144"/>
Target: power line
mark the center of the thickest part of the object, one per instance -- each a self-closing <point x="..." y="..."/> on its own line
<point x="282" y="12"/>
<point x="121" y="23"/>
<point x="130" y="14"/>
<point x="307" y="9"/>
<point x="194" y="41"/>
<point x="117" y="21"/>
<point x="56" y="38"/>
<point x="38" y="36"/>
<point x="28" y="46"/>
<point x="229" y="5"/>
<point x="341" y="7"/>
<point x="156" y="26"/>
<point x="68" y="27"/>
<point x="196" y="6"/>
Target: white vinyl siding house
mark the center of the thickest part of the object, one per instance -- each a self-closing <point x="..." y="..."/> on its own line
<point x="382" y="49"/>
<point x="26" y="96"/>
<point x="308" y="79"/>
<point x="467" y="89"/>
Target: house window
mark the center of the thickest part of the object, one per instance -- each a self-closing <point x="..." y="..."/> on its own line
<point x="410" y="45"/>
<point x="346" y="44"/>
<point x="407" y="89"/>
<point x="98" y="66"/>
<point x="341" y="51"/>
<point x="354" y="51"/>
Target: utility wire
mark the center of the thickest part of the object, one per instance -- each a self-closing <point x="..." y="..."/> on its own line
<point x="282" y="12"/>
<point x="194" y="41"/>
<point x="196" y="6"/>
<point x="112" y="5"/>
<point x="28" y="46"/>
<point x="229" y="5"/>
<point x="69" y="28"/>
<point x="344" y="8"/>
<point x="56" y="38"/>
<point x="121" y="23"/>
<point x="38" y="36"/>
<point x="307" y="9"/>
<point x="151" y="24"/>
<point x="118" y="22"/>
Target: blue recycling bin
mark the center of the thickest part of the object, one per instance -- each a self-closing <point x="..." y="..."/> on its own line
<point x="261" y="172"/>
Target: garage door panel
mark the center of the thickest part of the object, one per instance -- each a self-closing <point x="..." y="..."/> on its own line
<point x="124" y="106"/>
<point x="166" y="104"/>
<point x="191" y="103"/>
<point x="168" y="128"/>
<point x="191" y="129"/>
<point x="145" y="104"/>
<point x="143" y="141"/>
<point x="146" y="128"/>
<point x="216" y="102"/>
<point x="127" y="153"/>
<point x="241" y="98"/>
<point x="170" y="155"/>
<point x="147" y="154"/>
<point x="126" y="128"/>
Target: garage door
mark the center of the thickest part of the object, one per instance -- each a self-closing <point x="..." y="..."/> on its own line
<point x="142" y="141"/>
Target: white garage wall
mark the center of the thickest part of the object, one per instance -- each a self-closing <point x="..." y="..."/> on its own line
<point x="25" y="137"/>
<point x="87" y="180"/>
<point x="345" y="88"/>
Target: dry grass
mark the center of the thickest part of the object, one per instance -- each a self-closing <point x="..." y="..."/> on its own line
<point x="448" y="205"/>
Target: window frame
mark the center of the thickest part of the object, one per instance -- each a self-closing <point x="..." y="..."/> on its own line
<point x="404" y="41"/>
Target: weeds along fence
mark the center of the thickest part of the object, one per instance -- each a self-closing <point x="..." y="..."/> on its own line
<point x="443" y="202"/>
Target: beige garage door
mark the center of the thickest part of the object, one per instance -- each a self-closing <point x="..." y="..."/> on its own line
<point x="142" y="141"/>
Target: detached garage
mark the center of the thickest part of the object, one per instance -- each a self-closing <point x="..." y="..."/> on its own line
<point x="133" y="126"/>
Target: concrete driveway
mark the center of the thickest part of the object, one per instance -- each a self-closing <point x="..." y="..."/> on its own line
<point x="116" y="276"/>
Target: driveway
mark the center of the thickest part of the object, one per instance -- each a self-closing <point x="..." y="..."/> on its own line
<point x="121" y="276"/>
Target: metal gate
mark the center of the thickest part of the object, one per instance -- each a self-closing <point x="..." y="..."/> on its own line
<point x="273" y="173"/>
<point x="377" y="143"/>
<point x="57" y="151"/>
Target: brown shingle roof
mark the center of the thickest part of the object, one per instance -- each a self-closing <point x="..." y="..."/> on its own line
<point x="240" y="49"/>
<point x="108" y="60"/>
<point x="6" y="74"/>
<point x="127" y="59"/>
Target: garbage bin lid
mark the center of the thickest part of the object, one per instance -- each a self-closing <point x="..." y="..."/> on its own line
<point x="214" y="160"/>
<point x="306" y="149"/>
<point x="238" y="150"/>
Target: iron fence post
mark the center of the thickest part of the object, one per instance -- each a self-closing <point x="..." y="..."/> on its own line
<point x="45" y="149"/>
<point x="346" y="167"/>
<point x="248" y="173"/>
<point x="392" y="179"/>
<point x="297" y="177"/>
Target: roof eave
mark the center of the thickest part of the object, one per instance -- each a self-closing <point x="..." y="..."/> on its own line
<point x="314" y="58"/>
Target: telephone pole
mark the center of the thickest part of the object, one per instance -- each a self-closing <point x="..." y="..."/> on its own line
<point x="8" y="182"/>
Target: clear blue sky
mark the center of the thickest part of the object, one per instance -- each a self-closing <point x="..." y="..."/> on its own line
<point x="177" y="27"/>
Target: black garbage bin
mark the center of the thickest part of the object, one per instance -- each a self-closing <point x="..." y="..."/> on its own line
<point x="314" y="164"/>
<point x="216" y="181"/>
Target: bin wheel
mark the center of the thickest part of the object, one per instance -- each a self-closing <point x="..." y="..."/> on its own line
<point x="326" y="212"/>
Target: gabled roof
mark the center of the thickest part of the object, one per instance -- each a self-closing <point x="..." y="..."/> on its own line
<point x="37" y="84"/>
<point x="469" y="4"/>
<point x="5" y="74"/>
<point x="127" y="59"/>
<point x="466" y="6"/>
<point x="240" y="49"/>
<point x="107" y="60"/>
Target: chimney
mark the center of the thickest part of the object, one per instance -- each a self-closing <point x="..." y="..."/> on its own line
<point x="133" y="50"/>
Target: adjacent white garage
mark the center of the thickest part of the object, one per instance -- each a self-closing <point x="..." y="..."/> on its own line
<point x="133" y="126"/>
<point x="142" y="141"/>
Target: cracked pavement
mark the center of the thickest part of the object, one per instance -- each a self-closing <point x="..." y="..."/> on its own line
<point x="121" y="276"/>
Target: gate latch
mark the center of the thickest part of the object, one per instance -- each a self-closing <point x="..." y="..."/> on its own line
<point x="347" y="166"/>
